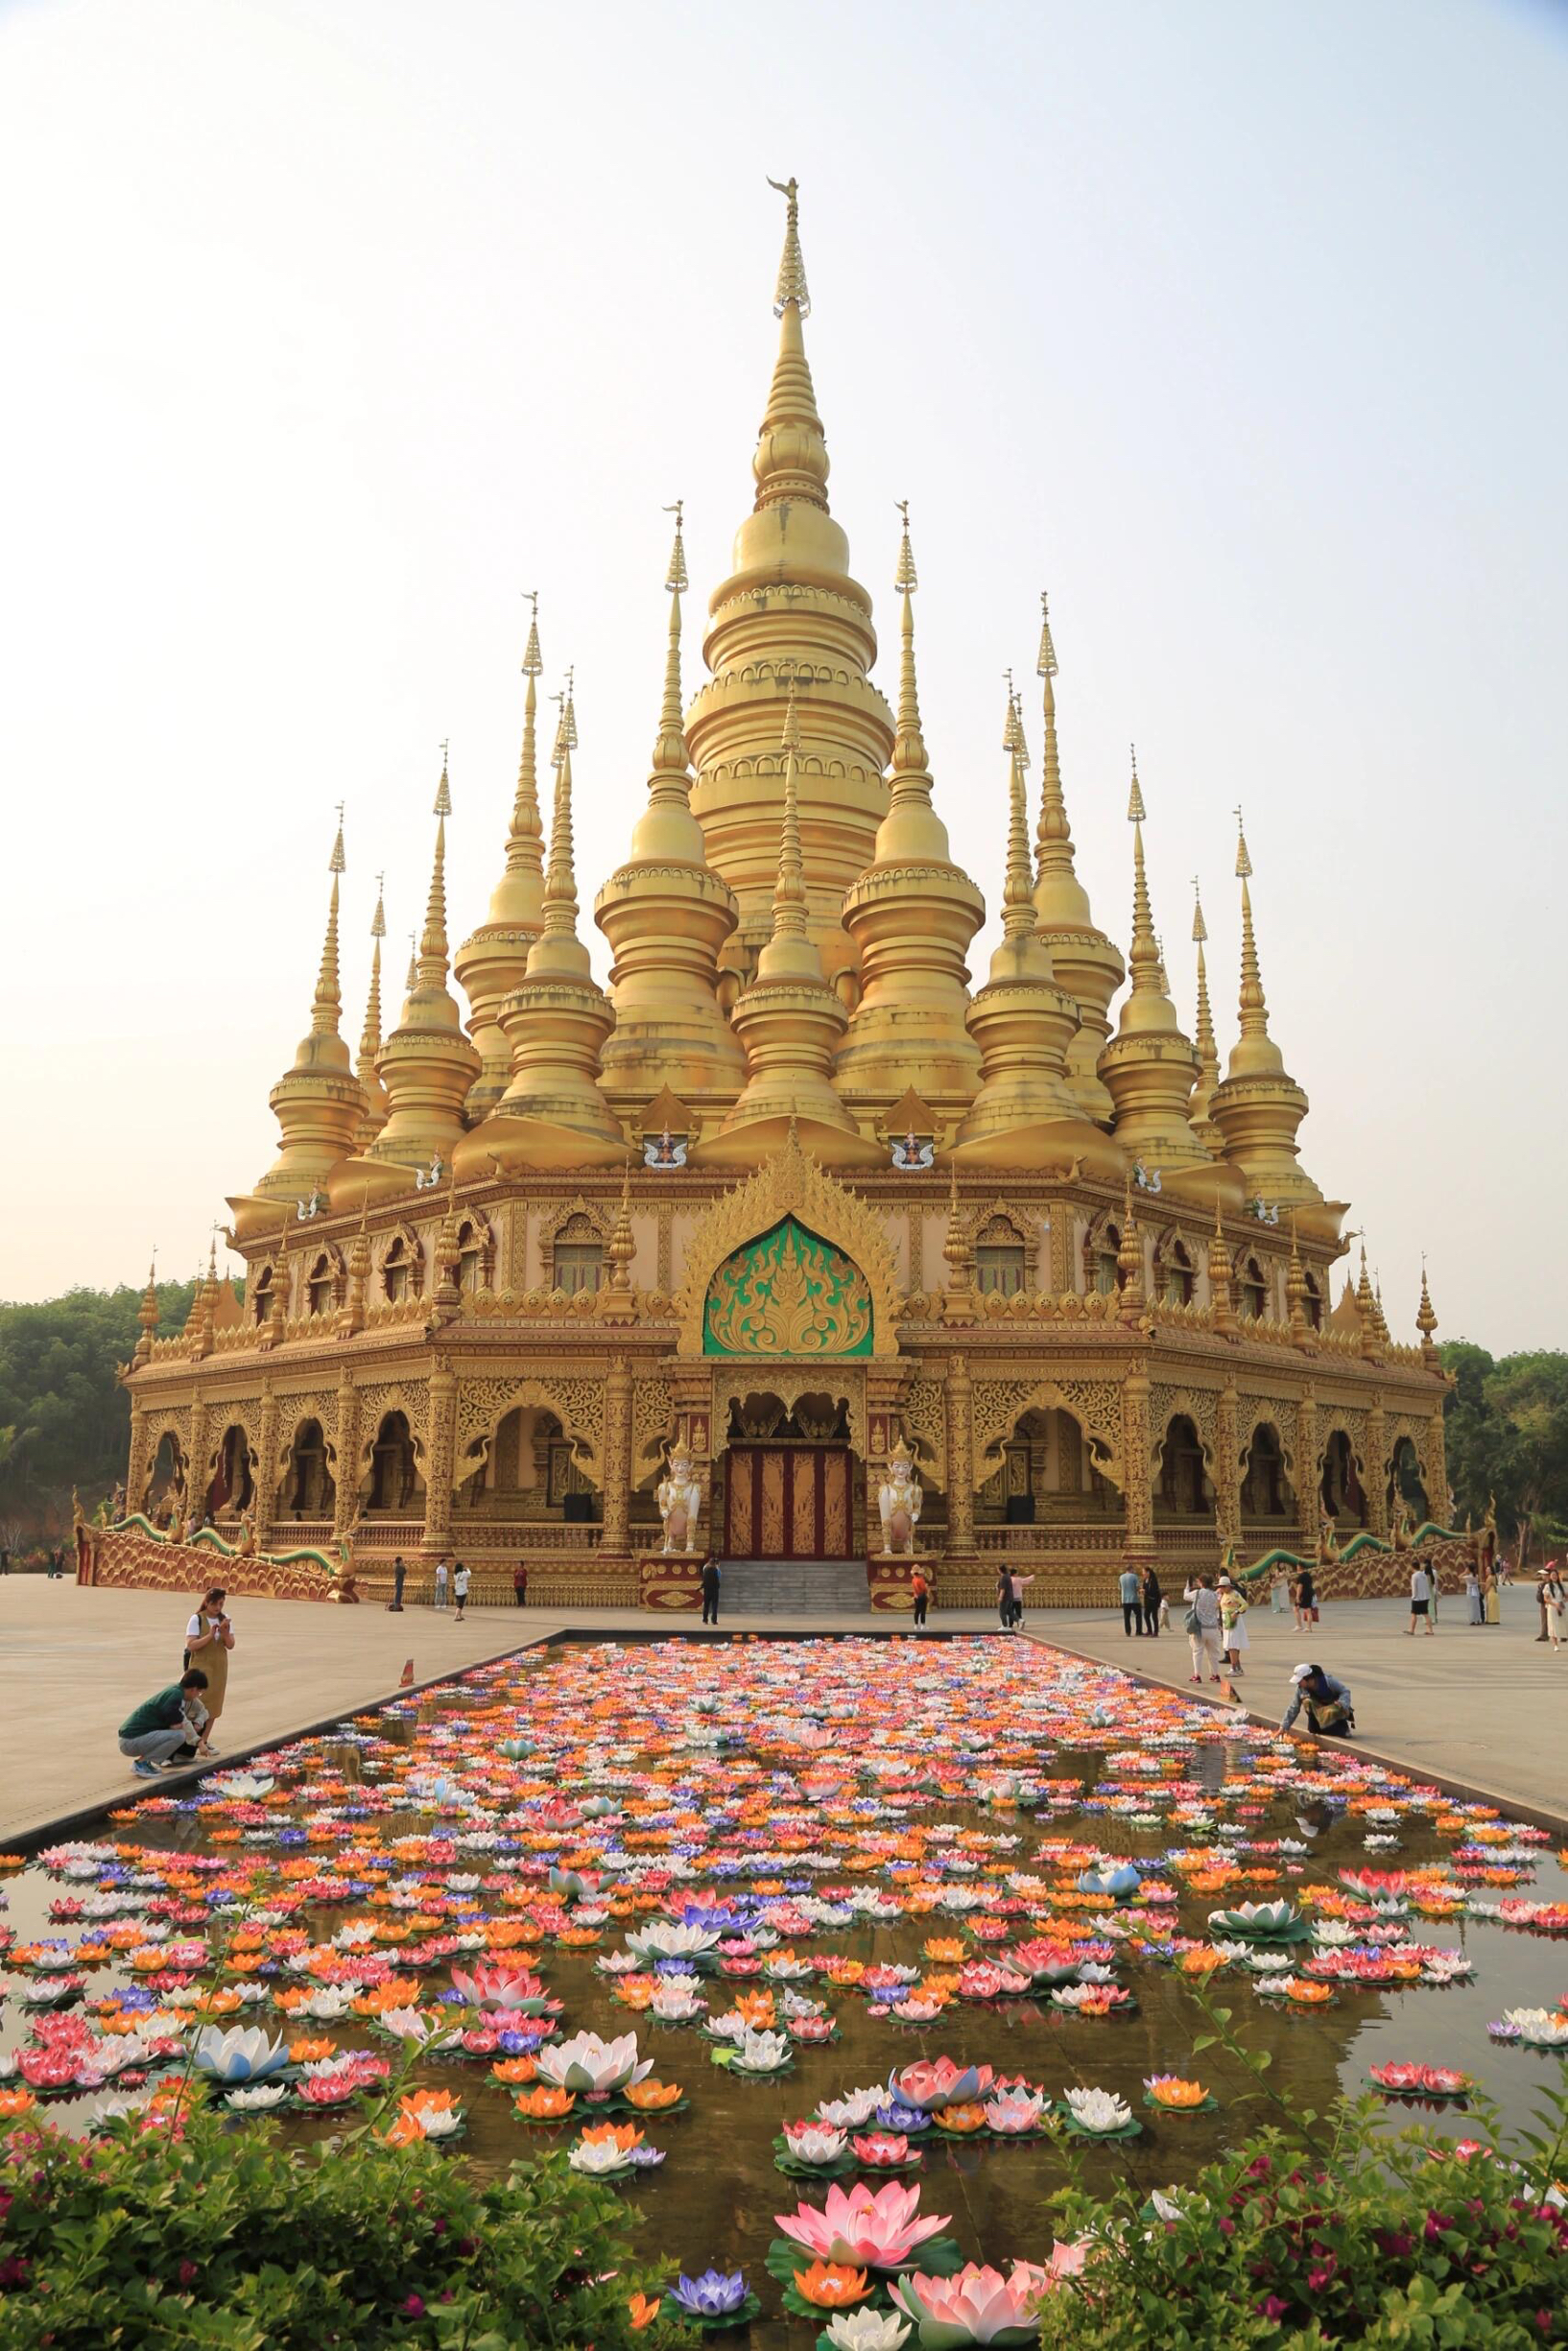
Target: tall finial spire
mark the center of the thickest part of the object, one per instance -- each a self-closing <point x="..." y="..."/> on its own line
<point x="1208" y="1053"/>
<point x="328" y="1001"/>
<point x="1143" y="961"/>
<point x="369" y="1042"/>
<point x="1254" y="1012"/>
<point x="791" y="463"/>
<point x="432" y="963"/>
<point x="672" y="774"/>
<point x="909" y="751"/>
<point x="1149" y="1064"/>
<point x="790" y="889"/>
<point x="1017" y="894"/>
<point x="561" y="878"/>
<point x="527" y="839"/>
<point x="411" y="979"/>
<point x="791" y="289"/>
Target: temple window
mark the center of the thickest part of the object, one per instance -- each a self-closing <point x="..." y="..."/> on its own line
<point x="318" y="1286"/>
<point x="999" y="1266"/>
<point x="1101" y="1250"/>
<point x="1177" y="1276"/>
<point x="471" y="1259"/>
<point x="1312" y="1305"/>
<point x="1254" y="1290"/>
<point x="397" y="1269"/>
<point x="579" y="1264"/>
<point x="261" y="1296"/>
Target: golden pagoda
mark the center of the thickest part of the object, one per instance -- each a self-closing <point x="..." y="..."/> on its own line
<point x="796" y="1201"/>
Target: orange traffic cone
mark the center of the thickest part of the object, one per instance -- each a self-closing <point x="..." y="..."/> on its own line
<point x="405" y="1680"/>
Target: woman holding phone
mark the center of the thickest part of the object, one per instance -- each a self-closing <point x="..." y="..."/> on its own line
<point x="209" y="1636"/>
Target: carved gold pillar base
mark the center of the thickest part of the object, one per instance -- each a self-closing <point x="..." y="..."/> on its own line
<point x="1308" y="1499"/>
<point x="1139" y="1542"/>
<point x="1228" y="1470"/>
<point x="264" y="1477"/>
<point x="135" y="1476"/>
<point x="617" y="1462"/>
<point x="960" y="1461"/>
<point x="198" y="1475"/>
<point x="444" y="1412"/>
<point x="1375" y="1471"/>
<point x="345" y="1504"/>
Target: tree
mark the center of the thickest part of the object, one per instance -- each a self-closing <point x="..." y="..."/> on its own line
<point x="1506" y="1435"/>
<point x="66" y="1416"/>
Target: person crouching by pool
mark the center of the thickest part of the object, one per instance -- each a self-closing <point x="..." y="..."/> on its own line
<point x="1330" y="1714"/>
<point x="167" y="1726"/>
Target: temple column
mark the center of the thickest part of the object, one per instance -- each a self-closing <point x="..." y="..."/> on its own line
<point x="617" y="1460"/>
<point x="267" y="1466"/>
<point x="443" y="1418"/>
<point x="198" y="1475"/>
<point x="345" y="1504"/>
<point x="1376" y="1481"/>
<point x="135" y="1476"/>
<point x="1227" y="1473"/>
<point x="1434" y="1469"/>
<point x="1307" y="1501"/>
<point x="691" y="1393"/>
<point x="960" y="1458"/>
<point x="1139" y="1493"/>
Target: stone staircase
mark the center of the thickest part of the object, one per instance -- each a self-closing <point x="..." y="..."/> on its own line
<point x="794" y="1587"/>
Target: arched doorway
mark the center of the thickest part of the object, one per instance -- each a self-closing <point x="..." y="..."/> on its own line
<point x="529" y="1469"/>
<point x="1341" y="1489"/>
<point x="166" y="1478"/>
<point x="789" y="1479"/>
<point x="1266" y="1489"/>
<point x="232" y="1489"/>
<point x="1405" y="1482"/>
<point x="1048" y="1474"/>
<point x="396" y="1485"/>
<point x="309" y="1489"/>
<point x="1184" y="1490"/>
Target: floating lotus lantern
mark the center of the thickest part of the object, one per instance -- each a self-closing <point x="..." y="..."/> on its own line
<point x="592" y="2065"/>
<point x="978" y="2305"/>
<point x="243" y="2053"/>
<point x="875" y="2230"/>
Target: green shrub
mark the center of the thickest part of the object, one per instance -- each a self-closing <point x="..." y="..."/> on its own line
<point x="1305" y="2237"/>
<point x="222" y="2240"/>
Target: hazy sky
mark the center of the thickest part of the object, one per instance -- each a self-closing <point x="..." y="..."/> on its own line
<point x="330" y="328"/>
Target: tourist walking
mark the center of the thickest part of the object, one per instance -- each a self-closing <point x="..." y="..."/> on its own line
<point x="1330" y="1713"/>
<point x="460" y="1590"/>
<point x="1543" y="1574"/>
<point x="519" y="1584"/>
<point x="1492" y="1604"/>
<point x="1554" y="1603"/>
<point x="1154" y="1600"/>
<point x="1131" y="1596"/>
<point x="1203" y="1627"/>
<point x="1472" y="1596"/>
<point x="166" y="1727"/>
<point x="1420" y="1601"/>
<point x="1304" y="1596"/>
<point x="5" y="1560"/>
<point x="1232" y="1623"/>
<point x="400" y="1572"/>
<point x="209" y="1636"/>
<point x="1016" y="1584"/>
<point x="919" y="1584"/>
<point x="711" y="1580"/>
<point x="440" y="1584"/>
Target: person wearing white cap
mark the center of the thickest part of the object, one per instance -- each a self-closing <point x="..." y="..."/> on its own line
<point x="1330" y="1712"/>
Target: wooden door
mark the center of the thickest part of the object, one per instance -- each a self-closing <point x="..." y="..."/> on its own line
<point x="787" y="1503"/>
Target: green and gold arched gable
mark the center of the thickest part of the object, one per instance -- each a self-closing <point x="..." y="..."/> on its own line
<point x="788" y="1293"/>
<point x="789" y="1263"/>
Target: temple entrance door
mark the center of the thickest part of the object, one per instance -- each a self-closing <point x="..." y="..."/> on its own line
<point x="788" y="1502"/>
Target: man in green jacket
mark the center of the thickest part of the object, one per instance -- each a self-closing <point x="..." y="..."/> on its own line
<point x="164" y="1724"/>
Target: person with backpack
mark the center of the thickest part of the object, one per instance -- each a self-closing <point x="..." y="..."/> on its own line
<point x="1330" y="1713"/>
<point x="460" y="1590"/>
<point x="1203" y="1627"/>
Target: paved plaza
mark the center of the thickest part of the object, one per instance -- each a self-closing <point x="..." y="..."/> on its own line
<point x="1486" y="1707"/>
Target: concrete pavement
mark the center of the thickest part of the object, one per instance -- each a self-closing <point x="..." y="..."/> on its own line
<point x="1487" y="1706"/>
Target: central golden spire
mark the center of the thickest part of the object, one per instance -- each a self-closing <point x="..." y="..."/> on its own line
<point x="790" y="617"/>
<point x="492" y="964"/>
<point x="789" y="1020"/>
<point x="1024" y="1114"/>
<point x="667" y="915"/>
<point x="911" y="916"/>
<point x="1085" y="961"/>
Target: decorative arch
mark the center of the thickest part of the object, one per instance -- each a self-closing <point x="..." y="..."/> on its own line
<point x="999" y="1227"/>
<point x="476" y="1253"/>
<point x="1175" y="1268"/>
<point x="326" y="1282"/>
<point x="1266" y="1489"/>
<point x="1102" y="1247"/>
<point x="571" y="1223"/>
<point x="791" y="1185"/>
<point x="481" y="1406"/>
<point x="997" y="1406"/>
<point x="400" y="1270"/>
<point x="1199" y="1405"/>
<point x="374" y="1406"/>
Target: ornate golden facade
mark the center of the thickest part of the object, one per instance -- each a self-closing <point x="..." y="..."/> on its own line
<point x="789" y="1190"/>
